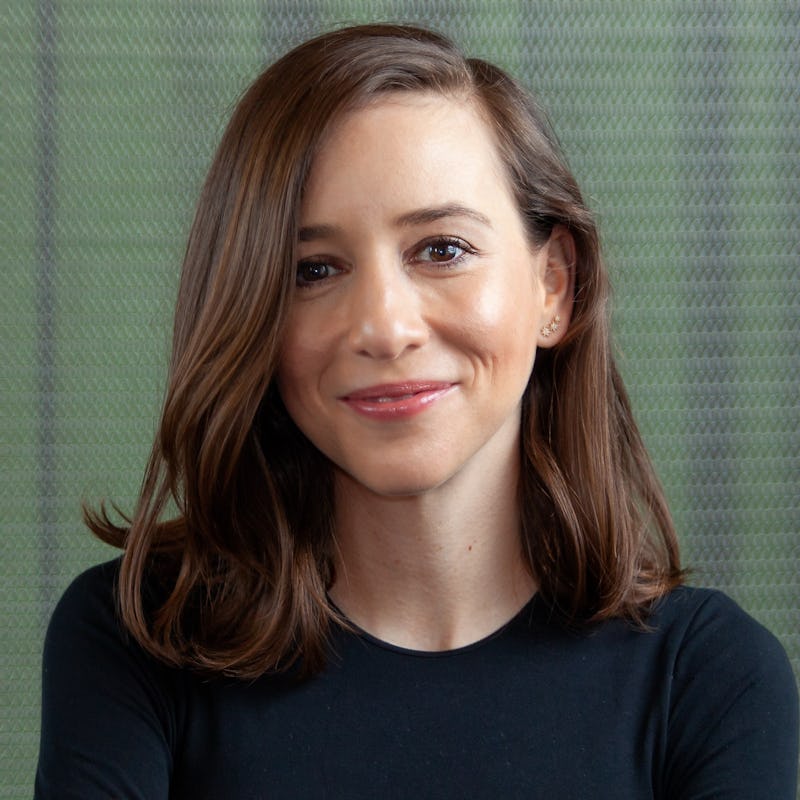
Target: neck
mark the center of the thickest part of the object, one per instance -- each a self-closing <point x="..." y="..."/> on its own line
<point x="432" y="571"/>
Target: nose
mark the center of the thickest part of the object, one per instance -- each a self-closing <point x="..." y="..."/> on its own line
<point x="385" y="312"/>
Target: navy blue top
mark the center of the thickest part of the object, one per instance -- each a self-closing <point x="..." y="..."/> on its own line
<point x="701" y="705"/>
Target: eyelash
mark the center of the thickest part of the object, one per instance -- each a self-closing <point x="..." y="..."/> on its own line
<point x="306" y="284"/>
<point x="445" y="242"/>
<point x="441" y="242"/>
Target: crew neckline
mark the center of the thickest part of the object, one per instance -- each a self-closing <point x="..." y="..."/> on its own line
<point x="371" y="639"/>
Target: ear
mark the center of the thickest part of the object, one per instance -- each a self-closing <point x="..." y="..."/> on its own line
<point x="558" y="282"/>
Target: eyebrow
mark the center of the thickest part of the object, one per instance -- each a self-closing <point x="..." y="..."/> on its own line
<point x="422" y="215"/>
<point x="419" y="216"/>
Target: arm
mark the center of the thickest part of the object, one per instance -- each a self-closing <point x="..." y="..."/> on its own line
<point x="107" y="717"/>
<point x="733" y="730"/>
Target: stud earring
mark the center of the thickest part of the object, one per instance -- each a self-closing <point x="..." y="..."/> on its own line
<point x="551" y="326"/>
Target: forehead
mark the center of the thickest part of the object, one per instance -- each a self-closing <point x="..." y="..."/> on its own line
<point x="451" y="113"/>
<point x="432" y="140"/>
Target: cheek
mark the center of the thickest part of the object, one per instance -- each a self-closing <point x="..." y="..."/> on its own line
<point x="296" y="370"/>
<point x="302" y="348"/>
<point x="502" y="318"/>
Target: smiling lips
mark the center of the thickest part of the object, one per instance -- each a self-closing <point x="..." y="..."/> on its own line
<point x="396" y="400"/>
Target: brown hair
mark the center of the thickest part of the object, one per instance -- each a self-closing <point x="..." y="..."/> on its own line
<point x="227" y="557"/>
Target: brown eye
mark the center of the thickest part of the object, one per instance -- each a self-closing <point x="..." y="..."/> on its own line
<point x="443" y="251"/>
<point x="309" y="272"/>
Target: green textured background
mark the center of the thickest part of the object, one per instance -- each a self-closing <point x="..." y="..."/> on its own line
<point x="681" y="122"/>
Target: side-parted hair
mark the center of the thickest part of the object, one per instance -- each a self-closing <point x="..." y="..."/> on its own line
<point x="228" y="555"/>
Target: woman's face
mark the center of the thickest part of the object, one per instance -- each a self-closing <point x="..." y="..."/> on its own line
<point x="419" y="299"/>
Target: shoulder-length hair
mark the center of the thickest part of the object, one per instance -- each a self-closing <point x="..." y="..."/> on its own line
<point x="227" y="557"/>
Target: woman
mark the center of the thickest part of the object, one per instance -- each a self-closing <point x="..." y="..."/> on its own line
<point x="399" y="534"/>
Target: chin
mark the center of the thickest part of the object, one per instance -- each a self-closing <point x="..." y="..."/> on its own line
<point x="395" y="485"/>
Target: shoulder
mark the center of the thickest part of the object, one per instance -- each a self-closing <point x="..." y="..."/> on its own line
<point x="109" y="718"/>
<point x="92" y="592"/>
<point x="86" y="636"/>
<point x="88" y="645"/>
<point x="706" y="625"/>
<point x="716" y="647"/>
<point x="732" y="721"/>
<point x="86" y="609"/>
<point x="86" y="633"/>
<point x="85" y="623"/>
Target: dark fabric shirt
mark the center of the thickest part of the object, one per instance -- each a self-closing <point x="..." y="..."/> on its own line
<point x="701" y="705"/>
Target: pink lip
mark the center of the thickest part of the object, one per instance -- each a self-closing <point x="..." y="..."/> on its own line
<point x="396" y="400"/>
